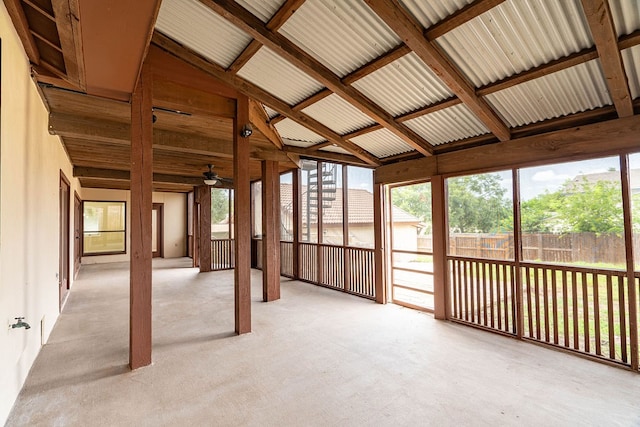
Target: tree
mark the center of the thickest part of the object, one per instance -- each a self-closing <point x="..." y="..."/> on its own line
<point x="415" y="199"/>
<point x="540" y="214"/>
<point x="219" y="205"/>
<point x="478" y="204"/>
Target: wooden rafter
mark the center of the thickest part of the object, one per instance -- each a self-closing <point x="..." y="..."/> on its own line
<point x="606" y="40"/>
<point x="327" y="155"/>
<point x="22" y="27"/>
<point x="467" y="13"/>
<point x="244" y="20"/>
<point x="277" y="20"/>
<point x="69" y="31"/>
<point x="411" y="32"/>
<point x="258" y="94"/>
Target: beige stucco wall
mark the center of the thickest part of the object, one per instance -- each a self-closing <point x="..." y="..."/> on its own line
<point x="30" y="164"/>
<point x="175" y="222"/>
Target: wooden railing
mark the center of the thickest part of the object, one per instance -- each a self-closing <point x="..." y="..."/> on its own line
<point x="286" y="259"/>
<point x="483" y="292"/>
<point x="360" y="272"/>
<point x="585" y="310"/>
<point x="222" y="254"/>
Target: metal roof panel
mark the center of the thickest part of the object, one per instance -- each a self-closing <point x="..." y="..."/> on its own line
<point x="278" y="77"/>
<point x="338" y="115"/>
<point x="382" y="143"/>
<point x="516" y="36"/>
<point x="631" y="59"/>
<point x="626" y="15"/>
<point x="575" y="89"/>
<point x="343" y="35"/>
<point x="448" y="125"/>
<point x="431" y="12"/>
<point x="263" y="9"/>
<point x="198" y="28"/>
<point x="288" y="129"/>
<point x="404" y="85"/>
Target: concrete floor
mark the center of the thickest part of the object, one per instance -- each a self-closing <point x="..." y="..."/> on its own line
<point x="316" y="357"/>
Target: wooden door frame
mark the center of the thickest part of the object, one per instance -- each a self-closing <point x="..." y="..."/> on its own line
<point x="77" y="244"/>
<point x="63" y="255"/>
<point x="159" y="230"/>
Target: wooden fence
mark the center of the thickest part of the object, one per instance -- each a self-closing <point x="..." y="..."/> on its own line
<point x="586" y="248"/>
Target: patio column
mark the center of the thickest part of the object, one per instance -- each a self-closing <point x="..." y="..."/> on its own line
<point x="242" y="219"/>
<point x="378" y="256"/>
<point x="270" y="231"/>
<point x="439" y="235"/>
<point x="204" y="196"/>
<point x="141" y="206"/>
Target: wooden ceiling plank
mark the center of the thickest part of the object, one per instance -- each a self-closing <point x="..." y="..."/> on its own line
<point x="244" y="20"/>
<point x="467" y="13"/>
<point x="21" y="25"/>
<point x="410" y="31"/>
<point x="170" y="95"/>
<point x="277" y="20"/>
<point x="45" y="41"/>
<point x="167" y="47"/>
<point x="604" y="35"/>
<point x="67" y="13"/>
<point x="88" y="172"/>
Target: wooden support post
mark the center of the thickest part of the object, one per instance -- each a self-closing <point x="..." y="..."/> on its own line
<point x="631" y="279"/>
<point x="204" y="196"/>
<point x="345" y="228"/>
<point x="141" y="206"/>
<point x="378" y="256"/>
<point x="270" y="231"/>
<point x="196" y="227"/>
<point x="439" y="227"/>
<point x="242" y="219"/>
<point x="297" y="219"/>
<point x="517" y="253"/>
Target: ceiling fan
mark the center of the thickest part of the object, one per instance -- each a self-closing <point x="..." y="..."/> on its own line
<point x="212" y="178"/>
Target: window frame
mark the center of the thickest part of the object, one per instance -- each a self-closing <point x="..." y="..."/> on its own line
<point x="124" y="230"/>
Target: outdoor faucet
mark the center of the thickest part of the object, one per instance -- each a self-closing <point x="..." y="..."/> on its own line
<point x="20" y="323"/>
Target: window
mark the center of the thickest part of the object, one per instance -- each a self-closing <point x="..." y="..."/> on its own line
<point x="286" y="207"/>
<point x="360" y="207"/>
<point x="221" y="215"/>
<point x="309" y="193"/>
<point x="104" y="229"/>
<point x="571" y="213"/>
<point x="256" y="213"/>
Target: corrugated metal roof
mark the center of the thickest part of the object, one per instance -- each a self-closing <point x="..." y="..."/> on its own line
<point x="343" y="35"/>
<point x="626" y="15"/>
<point x="575" y="89"/>
<point x="516" y="36"/>
<point x="448" y="125"/>
<point x="404" y="85"/>
<point x="296" y="143"/>
<point x="338" y="115"/>
<point x="270" y="111"/>
<point x="278" y="77"/>
<point x="382" y="143"/>
<point x="433" y="11"/>
<point x="335" y="149"/>
<point x="291" y="130"/>
<point x="631" y="58"/>
<point x="263" y="9"/>
<point x="200" y="29"/>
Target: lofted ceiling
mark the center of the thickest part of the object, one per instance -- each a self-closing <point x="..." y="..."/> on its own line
<point x="366" y="82"/>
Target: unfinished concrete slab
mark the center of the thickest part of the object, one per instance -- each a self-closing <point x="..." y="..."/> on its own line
<point x="315" y="357"/>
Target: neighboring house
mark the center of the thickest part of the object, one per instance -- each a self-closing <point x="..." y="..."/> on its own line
<point x="360" y="214"/>
<point x="592" y="178"/>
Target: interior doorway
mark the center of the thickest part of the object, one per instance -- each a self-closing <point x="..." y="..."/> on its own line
<point x="411" y="254"/>
<point x="157" y="227"/>
<point x="63" y="271"/>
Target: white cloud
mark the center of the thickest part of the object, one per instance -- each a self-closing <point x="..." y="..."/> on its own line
<point x="549" y="175"/>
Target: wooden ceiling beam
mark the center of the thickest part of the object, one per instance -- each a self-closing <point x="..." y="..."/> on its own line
<point x="629" y="40"/>
<point x="374" y="65"/>
<point x="21" y="25"/>
<point x="70" y="34"/>
<point x="282" y="46"/>
<point x="122" y="175"/>
<point x="431" y="108"/>
<point x="605" y="37"/>
<point x="577" y="143"/>
<point x="327" y="155"/>
<point x="411" y="32"/>
<point x="466" y="14"/>
<point x="258" y="117"/>
<point x="318" y="96"/>
<point x="277" y="20"/>
<point x="167" y="47"/>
